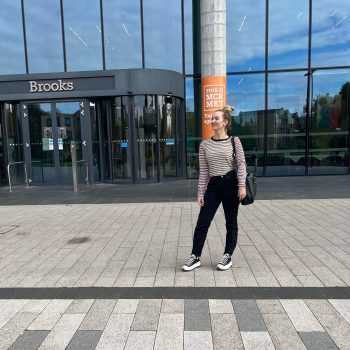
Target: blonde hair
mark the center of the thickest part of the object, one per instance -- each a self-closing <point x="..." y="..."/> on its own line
<point x="226" y="111"/>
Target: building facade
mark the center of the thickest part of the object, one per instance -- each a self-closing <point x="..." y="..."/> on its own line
<point x="123" y="80"/>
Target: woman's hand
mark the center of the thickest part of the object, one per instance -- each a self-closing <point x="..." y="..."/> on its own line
<point x="200" y="201"/>
<point x="241" y="193"/>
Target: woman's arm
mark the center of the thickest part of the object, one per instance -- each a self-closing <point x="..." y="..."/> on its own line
<point x="203" y="171"/>
<point x="241" y="165"/>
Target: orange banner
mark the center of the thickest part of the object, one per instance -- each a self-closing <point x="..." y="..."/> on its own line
<point x="213" y="98"/>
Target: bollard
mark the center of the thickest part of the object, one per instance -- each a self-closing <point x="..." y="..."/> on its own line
<point x="73" y="150"/>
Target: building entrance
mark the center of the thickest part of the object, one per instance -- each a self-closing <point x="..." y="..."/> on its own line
<point x="48" y="129"/>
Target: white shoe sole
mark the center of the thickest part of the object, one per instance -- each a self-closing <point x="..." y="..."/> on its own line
<point x="190" y="268"/>
<point x="222" y="267"/>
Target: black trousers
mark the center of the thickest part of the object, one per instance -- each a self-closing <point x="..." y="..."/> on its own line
<point x="220" y="189"/>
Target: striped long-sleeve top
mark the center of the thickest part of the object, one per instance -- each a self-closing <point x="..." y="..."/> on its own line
<point x="216" y="158"/>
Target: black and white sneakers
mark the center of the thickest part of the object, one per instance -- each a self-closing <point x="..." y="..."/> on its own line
<point x="192" y="263"/>
<point x="225" y="262"/>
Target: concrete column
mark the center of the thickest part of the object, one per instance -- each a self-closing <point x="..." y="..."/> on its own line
<point x="213" y="59"/>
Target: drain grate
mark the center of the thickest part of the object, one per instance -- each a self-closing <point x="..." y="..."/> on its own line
<point x="79" y="240"/>
<point x="7" y="228"/>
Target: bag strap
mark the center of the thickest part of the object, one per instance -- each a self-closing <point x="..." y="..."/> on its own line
<point x="234" y="154"/>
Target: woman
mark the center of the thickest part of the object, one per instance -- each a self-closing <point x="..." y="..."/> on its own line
<point x="221" y="180"/>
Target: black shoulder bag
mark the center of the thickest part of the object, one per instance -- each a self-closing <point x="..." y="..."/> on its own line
<point x="250" y="181"/>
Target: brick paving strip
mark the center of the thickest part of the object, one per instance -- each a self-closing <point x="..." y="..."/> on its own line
<point x="175" y="324"/>
<point x="177" y="293"/>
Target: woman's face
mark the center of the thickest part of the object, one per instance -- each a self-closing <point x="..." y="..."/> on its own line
<point x="218" y="122"/>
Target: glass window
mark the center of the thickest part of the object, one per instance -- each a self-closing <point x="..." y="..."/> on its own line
<point x="12" y="59"/>
<point x="288" y="33"/>
<point x="121" y="147"/>
<point x="188" y="36"/>
<point x="145" y="114"/>
<point x="14" y="142"/>
<point x="245" y="35"/>
<point x="329" y="135"/>
<point x="330" y="33"/>
<point x="246" y="94"/>
<point x="44" y="35"/>
<point x="162" y="31"/>
<point x="286" y="124"/>
<point x="122" y="31"/>
<point x="193" y="125"/>
<point x="82" y="27"/>
<point x="167" y="136"/>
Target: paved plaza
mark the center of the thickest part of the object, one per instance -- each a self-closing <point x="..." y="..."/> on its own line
<point x="82" y="275"/>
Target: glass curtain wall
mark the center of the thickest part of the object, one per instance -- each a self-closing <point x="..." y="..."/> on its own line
<point x="121" y="145"/>
<point x="12" y="60"/>
<point x="63" y="35"/>
<point x="290" y="90"/>
<point x="82" y="30"/>
<point x="145" y="115"/>
<point x="2" y="154"/>
<point x="246" y="94"/>
<point x="44" y="36"/>
<point x="122" y="33"/>
<point x="14" y="143"/>
<point x="163" y="34"/>
<point x="167" y="136"/>
<point x="329" y="129"/>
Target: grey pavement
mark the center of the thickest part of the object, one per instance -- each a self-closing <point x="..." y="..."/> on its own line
<point x="298" y="236"/>
<point x="297" y="324"/>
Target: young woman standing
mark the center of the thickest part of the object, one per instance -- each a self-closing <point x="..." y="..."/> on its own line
<point x="221" y="180"/>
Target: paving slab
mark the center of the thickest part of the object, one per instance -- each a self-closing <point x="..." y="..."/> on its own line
<point x="301" y="316"/>
<point x="317" y="341"/>
<point x="248" y="316"/>
<point x="29" y="340"/>
<point x="282" y="332"/>
<point x="140" y="340"/>
<point x="147" y="315"/>
<point x="115" y="334"/>
<point x="84" y="340"/>
<point x="98" y="315"/>
<point x="197" y="315"/>
<point x="198" y="340"/>
<point x="62" y="333"/>
<point x="170" y="332"/>
<point x="257" y="341"/>
<point x="225" y="332"/>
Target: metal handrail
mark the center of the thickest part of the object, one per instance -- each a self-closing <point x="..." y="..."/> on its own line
<point x="9" y="173"/>
<point x="87" y="170"/>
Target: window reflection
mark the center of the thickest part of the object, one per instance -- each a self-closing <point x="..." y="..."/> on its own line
<point x="286" y="124"/>
<point x="329" y="136"/>
<point x="162" y="30"/>
<point x="82" y="25"/>
<point x="121" y="147"/>
<point x="12" y="59"/>
<point x="146" y="136"/>
<point x="122" y="31"/>
<point x="167" y="136"/>
<point x="246" y="94"/>
<point x="193" y="125"/>
<point x="330" y="33"/>
<point x="188" y="36"/>
<point x="288" y="33"/>
<point x="245" y="35"/>
<point x="44" y="35"/>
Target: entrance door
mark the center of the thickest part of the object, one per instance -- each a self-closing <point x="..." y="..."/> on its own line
<point x="49" y="129"/>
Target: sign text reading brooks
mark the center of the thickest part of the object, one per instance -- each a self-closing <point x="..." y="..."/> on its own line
<point x="47" y="87"/>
